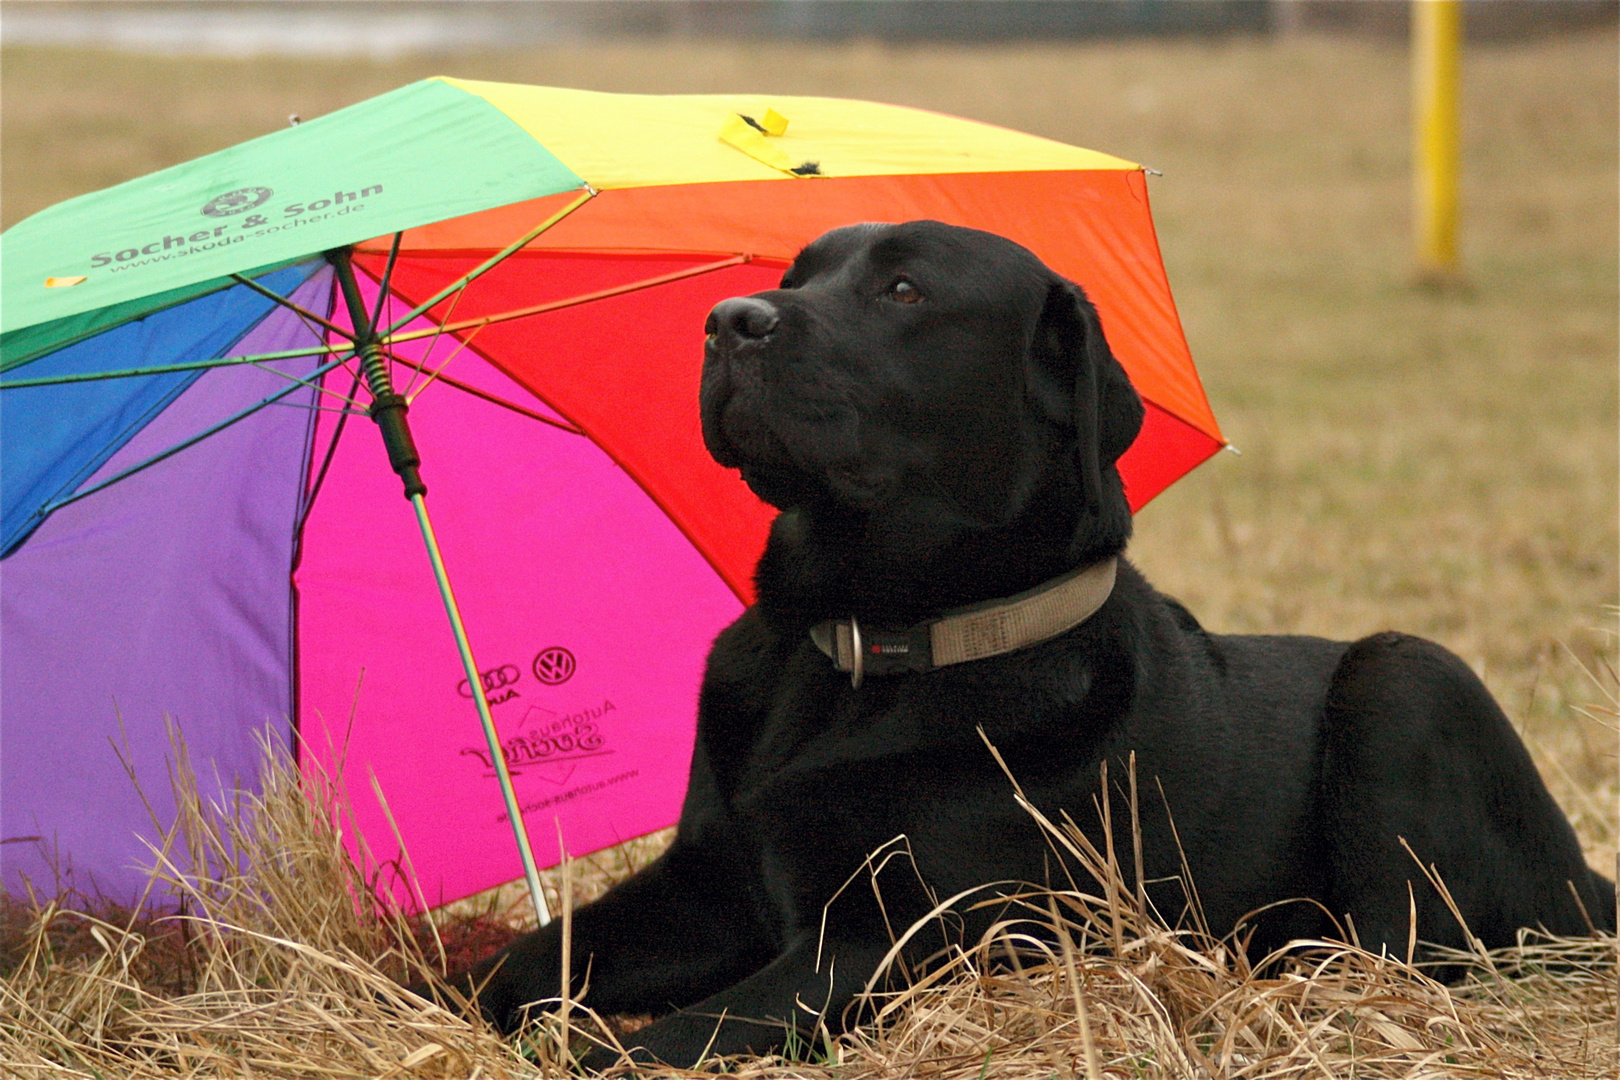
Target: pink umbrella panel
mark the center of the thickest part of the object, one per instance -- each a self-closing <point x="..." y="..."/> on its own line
<point x="589" y="610"/>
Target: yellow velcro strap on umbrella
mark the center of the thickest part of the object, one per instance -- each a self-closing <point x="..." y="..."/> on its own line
<point x="738" y="132"/>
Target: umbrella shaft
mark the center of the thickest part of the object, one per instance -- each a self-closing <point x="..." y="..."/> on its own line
<point x="531" y="872"/>
<point x="372" y="365"/>
<point x="388" y="409"/>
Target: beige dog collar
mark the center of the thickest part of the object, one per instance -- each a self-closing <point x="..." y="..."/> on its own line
<point x="968" y="633"/>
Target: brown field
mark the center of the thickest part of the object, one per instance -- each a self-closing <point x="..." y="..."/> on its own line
<point x="1443" y="462"/>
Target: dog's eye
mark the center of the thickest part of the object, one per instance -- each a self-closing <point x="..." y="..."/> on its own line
<point x="905" y="292"/>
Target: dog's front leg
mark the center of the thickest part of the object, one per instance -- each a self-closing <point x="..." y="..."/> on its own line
<point x="669" y="936"/>
<point x="811" y="983"/>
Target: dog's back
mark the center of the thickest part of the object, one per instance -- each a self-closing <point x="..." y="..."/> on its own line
<point x="1318" y="764"/>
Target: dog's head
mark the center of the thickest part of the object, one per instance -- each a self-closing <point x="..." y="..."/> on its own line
<point x="937" y="378"/>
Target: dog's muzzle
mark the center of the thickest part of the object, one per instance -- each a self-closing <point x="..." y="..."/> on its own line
<point x="974" y="632"/>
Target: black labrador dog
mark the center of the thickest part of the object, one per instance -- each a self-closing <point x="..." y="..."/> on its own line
<point x="937" y="415"/>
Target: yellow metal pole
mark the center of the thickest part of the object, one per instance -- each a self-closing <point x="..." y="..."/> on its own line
<point x="1436" y="45"/>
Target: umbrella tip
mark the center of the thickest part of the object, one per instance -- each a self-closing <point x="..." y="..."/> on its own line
<point x="293" y="120"/>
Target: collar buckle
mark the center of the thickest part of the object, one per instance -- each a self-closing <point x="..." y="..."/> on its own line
<point x="863" y="650"/>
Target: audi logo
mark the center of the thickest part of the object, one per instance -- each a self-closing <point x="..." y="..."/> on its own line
<point x="493" y="680"/>
<point x="554" y="665"/>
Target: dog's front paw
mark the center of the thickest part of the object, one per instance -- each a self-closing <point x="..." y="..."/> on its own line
<point x="458" y="995"/>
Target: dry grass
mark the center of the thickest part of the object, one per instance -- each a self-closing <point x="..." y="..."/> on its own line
<point x="1441" y="462"/>
<point x="278" y="962"/>
<point x="283" y="959"/>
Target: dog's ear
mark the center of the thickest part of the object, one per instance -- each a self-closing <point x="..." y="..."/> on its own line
<point x="1100" y="401"/>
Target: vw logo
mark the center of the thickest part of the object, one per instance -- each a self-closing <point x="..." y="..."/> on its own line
<point x="493" y="680"/>
<point x="237" y="202"/>
<point x="554" y="665"/>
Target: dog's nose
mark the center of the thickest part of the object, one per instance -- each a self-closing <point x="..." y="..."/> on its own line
<point x="741" y="320"/>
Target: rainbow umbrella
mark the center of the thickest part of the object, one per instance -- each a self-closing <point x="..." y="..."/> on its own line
<point x="196" y="522"/>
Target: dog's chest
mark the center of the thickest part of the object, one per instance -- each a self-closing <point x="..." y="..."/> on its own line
<point x="813" y="722"/>
<point x="813" y="777"/>
<point x="786" y="719"/>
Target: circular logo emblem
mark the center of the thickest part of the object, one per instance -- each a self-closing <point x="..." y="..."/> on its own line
<point x="237" y="202"/>
<point x="554" y="665"/>
<point x="493" y="680"/>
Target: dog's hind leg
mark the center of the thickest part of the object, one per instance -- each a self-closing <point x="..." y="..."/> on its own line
<point x="1415" y="748"/>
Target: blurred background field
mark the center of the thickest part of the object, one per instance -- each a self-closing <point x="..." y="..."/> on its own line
<point x="1442" y="462"/>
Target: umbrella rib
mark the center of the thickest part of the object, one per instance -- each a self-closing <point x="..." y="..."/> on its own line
<point x="326" y="461"/>
<point x="479" y="323"/>
<point x="26" y="357"/>
<point x="445" y="327"/>
<point x="352" y="409"/>
<point x="335" y="410"/>
<point x="466" y="388"/>
<point x="461" y="292"/>
<point x="302" y="312"/>
<point x="57" y="504"/>
<point x="417" y="369"/>
<point x="387" y="278"/>
<point x="473" y="324"/>
<point x="382" y="301"/>
<point x="300" y="379"/>
<point x="169" y="369"/>
<point x="490" y="263"/>
<point x="573" y="301"/>
<point x="494" y="399"/>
